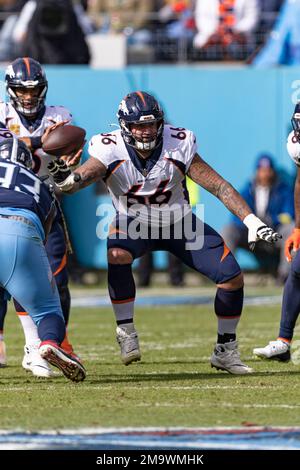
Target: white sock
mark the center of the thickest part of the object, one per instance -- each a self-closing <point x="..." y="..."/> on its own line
<point x="124" y="311"/>
<point x="227" y="325"/>
<point x="30" y="329"/>
<point x="1" y="337"/>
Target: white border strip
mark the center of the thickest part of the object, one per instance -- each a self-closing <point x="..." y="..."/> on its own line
<point x="191" y="430"/>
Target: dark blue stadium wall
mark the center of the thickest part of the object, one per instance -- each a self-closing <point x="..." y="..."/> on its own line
<point x="235" y="113"/>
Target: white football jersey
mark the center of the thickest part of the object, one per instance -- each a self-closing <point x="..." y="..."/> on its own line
<point x="160" y="187"/>
<point x="293" y="148"/>
<point x="14" y="122"/>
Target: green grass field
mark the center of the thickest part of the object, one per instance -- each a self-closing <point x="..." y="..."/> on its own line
<point x="174" y="384"/>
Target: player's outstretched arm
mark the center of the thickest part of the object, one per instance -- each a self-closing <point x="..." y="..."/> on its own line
<point x="204" y="175"/>
<point x="70" y="182"/>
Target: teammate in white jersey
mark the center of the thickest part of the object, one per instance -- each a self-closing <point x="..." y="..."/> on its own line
<point x="27" y="116"/>
<point x="290" y="309"/>
<point x="144" y="165"/>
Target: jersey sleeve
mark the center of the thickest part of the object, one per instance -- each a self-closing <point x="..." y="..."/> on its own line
<point x="63" y="114"/>
<point x="97" y="149"/>
<point x="293" y="148"/>
<point x="184" y="143"/>
<point x="191" y="150"/>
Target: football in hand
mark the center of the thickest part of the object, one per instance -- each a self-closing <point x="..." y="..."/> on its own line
<point x="64" y="140"/>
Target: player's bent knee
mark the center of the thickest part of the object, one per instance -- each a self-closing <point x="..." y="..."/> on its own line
<point x="119" y="256"/>
<point x="234" y="283"/>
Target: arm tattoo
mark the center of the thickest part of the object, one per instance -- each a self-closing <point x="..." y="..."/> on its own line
<point x="91" y="171"/>
<point x="297" y="199"/>
<point x="204" y="175"/>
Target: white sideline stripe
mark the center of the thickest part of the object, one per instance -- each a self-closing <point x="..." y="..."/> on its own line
<point x="42" y="439"/>
<point x="152" y="429"/>
<point x="104" y="301"/>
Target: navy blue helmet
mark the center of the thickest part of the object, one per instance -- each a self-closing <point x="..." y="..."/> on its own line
<point x="139" y="107"/>
<point x="16" y="151"/>
<point x="26" y="74"/>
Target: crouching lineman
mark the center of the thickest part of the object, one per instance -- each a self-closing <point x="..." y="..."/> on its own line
<point x="290" y="309"/>
<point x="144" y="165"/>
<point x="27" y="209"/>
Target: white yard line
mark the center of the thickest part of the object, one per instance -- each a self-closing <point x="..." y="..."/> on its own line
<point x="154" y="387"/>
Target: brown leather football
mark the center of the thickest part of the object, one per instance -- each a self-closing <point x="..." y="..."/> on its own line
<point x="64" y="140"/>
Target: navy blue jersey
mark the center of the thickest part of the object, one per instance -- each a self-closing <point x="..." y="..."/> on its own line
<point x="21" y="188"/>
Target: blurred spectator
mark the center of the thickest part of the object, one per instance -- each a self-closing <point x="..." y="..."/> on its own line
<point x="283" y="45"/>
<point x="226" y="27"/>
<point x="9" y="10"/>
<point x="131" y="17"/>
<point x="49" y="31"/>
<point x="80" y="8"/>
<point x="178" y="18"/>
<point x="271" y="199"/>
<point x="269" y="10"/>
<point x="7" y="7"/>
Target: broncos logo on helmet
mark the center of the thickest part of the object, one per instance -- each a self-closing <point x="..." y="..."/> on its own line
<point x="26" y="85"/>
<point x="139" y="108"/>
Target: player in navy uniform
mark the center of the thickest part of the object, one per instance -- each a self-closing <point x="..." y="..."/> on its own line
<point x="27" y="209"/>
<point x="27" y="116"/>
<point x="144" y="165"/>
<point x="290" y="309"/>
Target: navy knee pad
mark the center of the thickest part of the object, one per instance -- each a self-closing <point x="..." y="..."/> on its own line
<point x="121" y="284"/>
<point x="229" y="303"/>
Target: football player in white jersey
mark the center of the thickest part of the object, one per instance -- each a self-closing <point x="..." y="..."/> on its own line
<point x="144" y="165"/>
<point x="290" y="309"/>
<point x="28" y="117"/>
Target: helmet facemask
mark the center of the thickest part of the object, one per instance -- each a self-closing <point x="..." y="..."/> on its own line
<point x="148" y="141"/>
<point x="22" y="105"/>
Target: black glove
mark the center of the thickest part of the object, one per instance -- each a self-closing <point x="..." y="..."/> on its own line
<point x="63" y="177"/>
<point x="59" y="170"/>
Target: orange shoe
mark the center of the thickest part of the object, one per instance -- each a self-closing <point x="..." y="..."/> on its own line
<point x="68" y="348"/>
<point x="70" y="367"/>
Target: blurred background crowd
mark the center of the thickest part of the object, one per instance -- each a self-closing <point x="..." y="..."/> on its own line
<point x="154" y="31"/>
